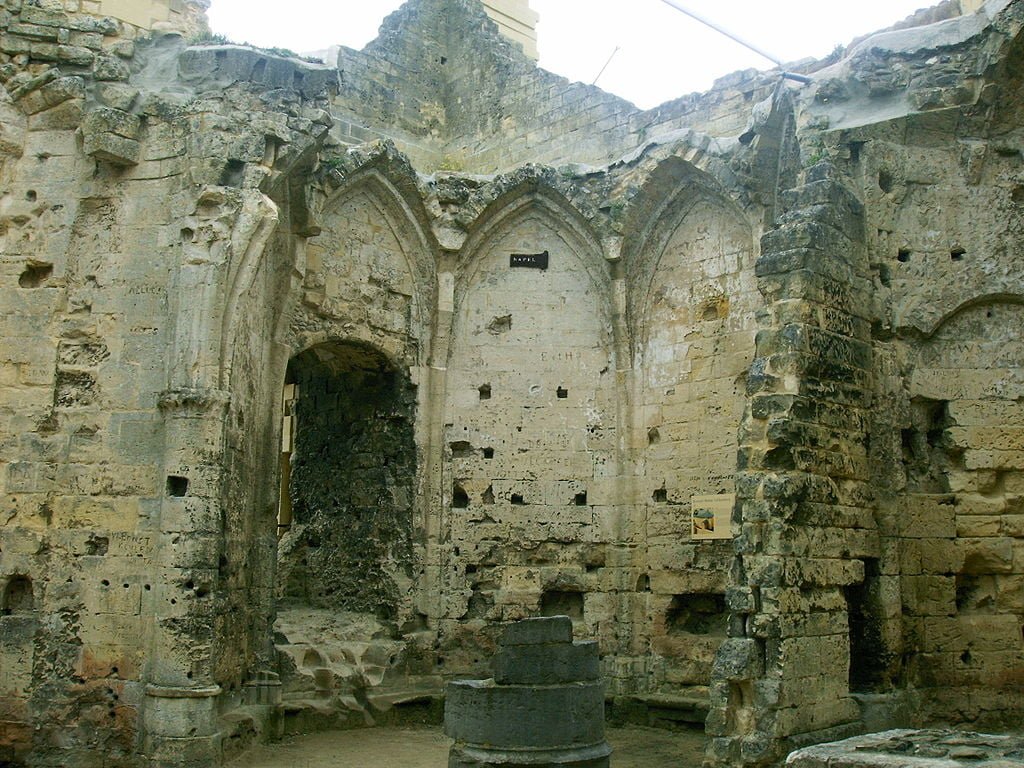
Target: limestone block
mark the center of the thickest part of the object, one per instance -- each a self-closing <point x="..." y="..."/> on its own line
<point x="34" y="31"/>
<point x="994" y="459"/>
<point x="940" y="556"/>
<point x="990" y="413"/>
<point x="927" y="517"/>
<point x="185" y="752"/>
<point x="931" y="748"/>
<point x="1012" y="525"/>
<point x="809" y="656"/>
<point x="108" y="68"/>
<point x="825" y="715"/>
<point x="991" y="632"/>
<point x="738" y="659"/>
<point x="177" y="713"/>
<point x="115" y="121"/>
<point x="71" y="54"/>
<point x="45" y="92"/>
<point x="982" y="556"/>
<point x="929" y="595"/>
<point x="111" y="148"/>
<point x="48" y="17"/>
<point x="16" y="654"/>
<point x="556" y="629"/>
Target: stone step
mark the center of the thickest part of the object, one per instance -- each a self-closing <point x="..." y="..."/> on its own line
<point x="664" y="710"/>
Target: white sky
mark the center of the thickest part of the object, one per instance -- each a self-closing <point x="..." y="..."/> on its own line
<point x="662" y="53"/>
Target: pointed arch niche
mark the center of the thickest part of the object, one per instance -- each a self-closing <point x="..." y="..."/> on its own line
<point x="692" y="302"/>
<point x="370" y="269"/>
<point x="345" y="316"/>
<point x="357" y="332"/>
<point x="530" y="438"/>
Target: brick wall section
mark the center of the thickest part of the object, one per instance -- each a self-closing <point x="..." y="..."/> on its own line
<point x="803" y="499"/>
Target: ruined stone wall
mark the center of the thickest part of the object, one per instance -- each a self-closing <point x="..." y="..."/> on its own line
<point x="803" y="493"/>
<point x="510" y="386"/>
<point x="945" y="238"/>
<point x="85" y="328"/>
<point x="114" y="559"/>
<point x="472" y="102"/>
<point x="531" y="427"/>
<point x="925" y="627"/>
<point x="695" y="323"/>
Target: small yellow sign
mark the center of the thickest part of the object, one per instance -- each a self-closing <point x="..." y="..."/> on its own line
<point x="711" y="516"/>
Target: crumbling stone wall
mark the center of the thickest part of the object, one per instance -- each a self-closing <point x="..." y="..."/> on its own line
<point x="120" y="537"/>
<point x="695" y="326"/>
<point x="808" y="297"/>
<point x="531" y="423"/>
<point x="352" y="477"/>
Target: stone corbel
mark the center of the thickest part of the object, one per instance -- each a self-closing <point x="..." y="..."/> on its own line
<point x="112" y="136"/>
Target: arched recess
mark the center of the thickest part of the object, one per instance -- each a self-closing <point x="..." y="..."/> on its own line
<point x="692" y="297"/>
<point x="363" y="282"/>
<point x="531" y="427"/>
<point x="371" y="266"/>
<point x="368" y="279"/>
<point x="962" y="441"/>
<point x="350" y="481"/>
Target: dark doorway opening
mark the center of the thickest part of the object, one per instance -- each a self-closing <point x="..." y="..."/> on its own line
<point x="348" y="469"/>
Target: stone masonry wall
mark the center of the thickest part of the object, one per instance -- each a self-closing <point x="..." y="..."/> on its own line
<point x="531" y="430"/>
<point x="111" y="462"/>
<point x="551" y="363"/>
<point x="507" y="111"/>
<point x="696" y="328"/>
<point x="803" y="496"/>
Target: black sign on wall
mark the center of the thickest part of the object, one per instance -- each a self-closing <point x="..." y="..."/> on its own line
<point x="529" y="260"/>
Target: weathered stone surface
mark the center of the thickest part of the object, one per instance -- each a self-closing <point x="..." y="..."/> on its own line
<point x="928" y="749"/>
<point x="534" y="711"/>
<point x="382" y="356"/>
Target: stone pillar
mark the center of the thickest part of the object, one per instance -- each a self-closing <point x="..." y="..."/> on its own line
<point x="180" y="711"/>
<point x="804" y="500"/>
<point x="544" y="706"/>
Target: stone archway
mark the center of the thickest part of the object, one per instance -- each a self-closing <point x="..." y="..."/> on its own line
<point x="348" y="545"/>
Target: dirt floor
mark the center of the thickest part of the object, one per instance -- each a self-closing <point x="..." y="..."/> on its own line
<point x="427" y="747"/>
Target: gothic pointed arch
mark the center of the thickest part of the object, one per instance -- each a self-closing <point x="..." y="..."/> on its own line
<point x="534" y="198"/>
<point x="371" y="266"/>
<point x="675" y="191"/>
<point x="531" y="416"/>
<point x="691" y="299"/>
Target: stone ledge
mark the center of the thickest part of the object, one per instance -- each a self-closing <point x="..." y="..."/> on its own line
<point x="915" y="749"/>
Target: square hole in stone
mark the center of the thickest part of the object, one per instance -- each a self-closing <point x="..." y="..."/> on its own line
<point x="177" y="486"/>
<point x="559" y="603"/>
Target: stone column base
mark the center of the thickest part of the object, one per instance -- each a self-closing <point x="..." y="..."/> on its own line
<point x="464" y="756"/>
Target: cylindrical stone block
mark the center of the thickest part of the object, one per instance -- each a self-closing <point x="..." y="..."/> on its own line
<point x="544" y="706"/>
<point x="547" y="664"/>
<point x="525" y="716"/>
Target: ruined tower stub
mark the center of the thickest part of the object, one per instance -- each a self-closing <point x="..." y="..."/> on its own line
<point x="544" y="705"/>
